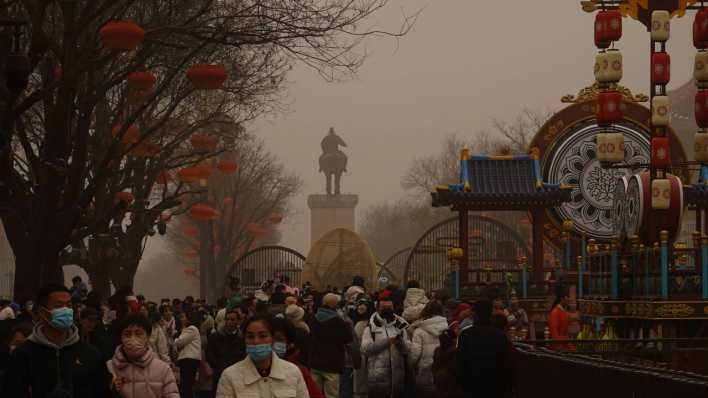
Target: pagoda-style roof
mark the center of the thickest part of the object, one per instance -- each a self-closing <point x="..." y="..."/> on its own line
<point x="500" y="183"/>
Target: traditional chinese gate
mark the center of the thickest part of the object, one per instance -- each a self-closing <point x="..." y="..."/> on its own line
<point x="492" y="246"/>
<point x="267" y="263"/>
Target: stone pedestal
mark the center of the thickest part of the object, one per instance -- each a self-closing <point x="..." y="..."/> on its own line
<point x="328" y="212"/>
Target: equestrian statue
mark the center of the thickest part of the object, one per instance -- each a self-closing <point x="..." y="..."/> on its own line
<point x="333" y="162"/>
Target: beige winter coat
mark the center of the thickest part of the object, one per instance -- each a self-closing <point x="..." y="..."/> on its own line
<point x="242" y="380"/>
<point x="158" y="343"/>
<point x="189" y="344"/>
<point x="148" y="377"/>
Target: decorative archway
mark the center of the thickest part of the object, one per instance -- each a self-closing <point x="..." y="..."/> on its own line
<point x="337" y="257"/>
<point x="491" y="244"/>
<point x="394" y="267"/>
<point x="267" y="263"/>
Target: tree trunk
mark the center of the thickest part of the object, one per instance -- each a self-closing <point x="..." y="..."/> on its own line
<point x="35" y="267"/>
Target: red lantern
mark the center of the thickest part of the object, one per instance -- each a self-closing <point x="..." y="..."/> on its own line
<point x="192" y="253"/>
<point x="203" y="213"/>
<point x="254" y="228"/>
<point x="609" y="108"/>
<point x="228" y="201"/>
<point x="121" y="35"/>
<point x="195" y="173"/>
<point x="141" y="81"/>
<point x="126" y="197"/>
<point x="700" y="29"/>
<point x="190" y="271"/>
<point x="660" y="68"/>
<point x="145" y="150"/>
<point x="191" y="231"/>
<point x="203" y="142"/>
<point x="163" y="178"/>
<point x="227" y="166"/>
<point x="701" y="108"/>
<point x="131" y="135"/>
<point x="276" y="218"/>
<point x="660" y="153"/>
<point x="608" y="28"/>
<point x="207" y="77"/>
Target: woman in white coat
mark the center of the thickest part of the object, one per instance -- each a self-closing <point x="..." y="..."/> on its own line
<point x="426" y="338"/>
<point x="262" y="374"/>
<point x="189" y="346"/>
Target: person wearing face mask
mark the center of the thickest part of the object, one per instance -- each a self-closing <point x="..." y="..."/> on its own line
<point x="360" y="317"/>
<point x="284" y="346"/>
<point x="54" y="362"/>
<point x="225" y="347"/>
<point x="385" y="342"/>
<point x="262" y="374"/>
<point x="136" y="369"/>
<point x="327" y="345"/>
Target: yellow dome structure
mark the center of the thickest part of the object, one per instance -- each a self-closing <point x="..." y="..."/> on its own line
<point x="337" y="257"/>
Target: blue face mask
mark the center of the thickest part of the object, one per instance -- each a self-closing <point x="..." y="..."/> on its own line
<point x="259" y="352"/>
<point x="280" y="348"/>
<point x="62" y="318"/>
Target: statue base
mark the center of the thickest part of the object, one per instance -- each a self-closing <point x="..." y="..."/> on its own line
<point x="328" y="212"/>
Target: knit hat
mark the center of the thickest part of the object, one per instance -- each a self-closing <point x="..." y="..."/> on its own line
<point x="460" y="308"/>
<point x="294" y="313"/>
<point x="330" y="300"/>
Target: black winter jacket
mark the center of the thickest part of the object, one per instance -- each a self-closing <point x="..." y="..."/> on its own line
<point x="484" y="351"/>
<point x="326" y="345"/>
<point x="224" y="350"/>
<point x="40" y="370"/>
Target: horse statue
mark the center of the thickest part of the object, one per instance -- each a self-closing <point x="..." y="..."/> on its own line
<point x="333" y="162"/>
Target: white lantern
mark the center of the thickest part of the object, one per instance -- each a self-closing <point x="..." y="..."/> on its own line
<point x="660" y="194"/>
<point x="660" y="25"/>
<point x="700" y="67"/>
<point x="608" y="66"/>
<point x="610" y="147"/>
<point x="660" y="110"/>
<point x="701" y="146"/>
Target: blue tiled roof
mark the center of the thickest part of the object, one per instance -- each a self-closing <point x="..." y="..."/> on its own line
<point x="497" y="182"/>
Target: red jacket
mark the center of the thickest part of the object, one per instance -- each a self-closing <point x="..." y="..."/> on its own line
<point x="293" y="356"/>
<point x="558" y="323"/>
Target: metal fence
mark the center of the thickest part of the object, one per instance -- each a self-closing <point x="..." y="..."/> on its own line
<point x="267" y="263"/>
<point x="494" y="248"/>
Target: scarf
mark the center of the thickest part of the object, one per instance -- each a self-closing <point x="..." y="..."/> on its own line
<point x="324" y="314"/>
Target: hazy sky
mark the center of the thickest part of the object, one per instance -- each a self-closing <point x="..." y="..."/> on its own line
<point x="464" y="63"/>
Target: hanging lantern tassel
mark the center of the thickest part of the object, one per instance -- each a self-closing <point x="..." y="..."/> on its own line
<point x="610" y="147"/>
<point x="660" y="194"/>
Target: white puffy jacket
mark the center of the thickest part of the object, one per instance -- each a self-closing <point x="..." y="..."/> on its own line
<point x="425" y="341"/>
<point x="189" y="344"/>
<point x="386" y="363"/>
<point x="414" y="303"/>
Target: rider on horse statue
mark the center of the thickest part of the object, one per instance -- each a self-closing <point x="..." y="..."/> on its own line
<point x="333" y="161"/>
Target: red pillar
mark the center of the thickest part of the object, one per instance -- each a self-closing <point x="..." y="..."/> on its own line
<point x="538" y="218"/>
<point x="464" y="231"/>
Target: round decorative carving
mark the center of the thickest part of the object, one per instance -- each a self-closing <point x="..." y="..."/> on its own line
<point x="573" y="162"/>
<point x="618" y="208"/>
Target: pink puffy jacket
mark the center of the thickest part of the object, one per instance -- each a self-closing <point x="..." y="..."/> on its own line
<point x="148" y="377"/>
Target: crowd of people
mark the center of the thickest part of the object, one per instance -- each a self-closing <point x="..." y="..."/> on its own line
<point x="276" y="342"/>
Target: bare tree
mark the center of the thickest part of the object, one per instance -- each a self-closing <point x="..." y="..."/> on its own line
<point x="57" y="165"/>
